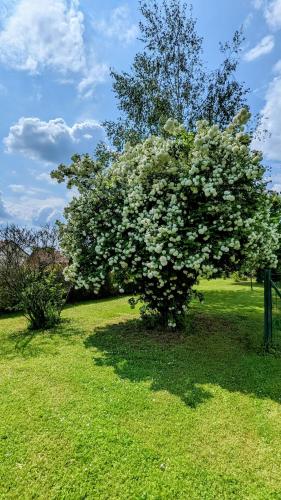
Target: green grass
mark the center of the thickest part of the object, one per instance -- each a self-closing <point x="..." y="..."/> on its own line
<point x="101" y="409"/>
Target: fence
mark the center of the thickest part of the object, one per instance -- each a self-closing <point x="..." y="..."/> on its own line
<point x="272" y="309"/>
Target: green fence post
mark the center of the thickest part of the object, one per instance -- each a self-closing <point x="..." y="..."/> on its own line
<point x="267" y="309"/>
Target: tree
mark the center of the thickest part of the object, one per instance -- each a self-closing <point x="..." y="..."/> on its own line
<point x="168" y="78"/>
<point x="169" y="211"/>
<point x="31" y="276"/>
<point x="275" y="214"/>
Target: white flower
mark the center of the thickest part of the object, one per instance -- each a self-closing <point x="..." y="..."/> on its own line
<point x="163" y="260"/>
<point x="158" y="248"/>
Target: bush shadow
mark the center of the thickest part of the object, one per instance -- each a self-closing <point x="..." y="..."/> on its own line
<point x="28" y="343"/>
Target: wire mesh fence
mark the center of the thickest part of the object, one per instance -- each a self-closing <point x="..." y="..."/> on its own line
<point x="272" y="310"/>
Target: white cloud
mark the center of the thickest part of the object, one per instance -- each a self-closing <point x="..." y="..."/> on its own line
<point x="277" y="67"/>
<point x="53" y="141"/>
<point x="271" y="121"/>
<point x="275" y="179"/>
<point x="96" y="74"/>
<point x="270" y="143"/>
<point x="49" y="35"/>
<point x="45" y="34"/>
<point x="17" y="188"/>
<point x="118" y="25"/>
<point x="31" y="191"/>
<point x="47" y="215"/>
<point x="45" y="177"/>
<point x="271" y="10"/>
<point x="265" y="46"/>
<point x="248" y="20"/>
<point x="35" y="211"/>
<point x="257" y="4"/>
<point x="5" y="216"/>
<point x="272" y="14"/>
<point x="6" y="7"/>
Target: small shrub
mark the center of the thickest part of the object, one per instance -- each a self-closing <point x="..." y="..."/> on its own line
<point x="42" y="299"/>
<point x="31" y="274"/>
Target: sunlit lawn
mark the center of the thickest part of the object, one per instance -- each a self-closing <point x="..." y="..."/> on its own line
<point x="101" y="409"/>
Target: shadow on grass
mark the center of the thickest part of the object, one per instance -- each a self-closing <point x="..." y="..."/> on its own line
<point x="31" y="343"/>
<point x="190" y="365"/>
<point x="219" y="348"/>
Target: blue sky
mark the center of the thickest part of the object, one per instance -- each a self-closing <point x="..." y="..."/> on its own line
<point x="55" y="88"/>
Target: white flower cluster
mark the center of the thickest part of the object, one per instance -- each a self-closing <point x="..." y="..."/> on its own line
<point x="169" y="211"/>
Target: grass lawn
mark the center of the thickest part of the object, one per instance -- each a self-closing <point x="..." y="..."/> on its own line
<point x="101" y="409"/>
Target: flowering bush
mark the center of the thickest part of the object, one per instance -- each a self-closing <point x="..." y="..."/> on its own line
<point x="170" y="210"/>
